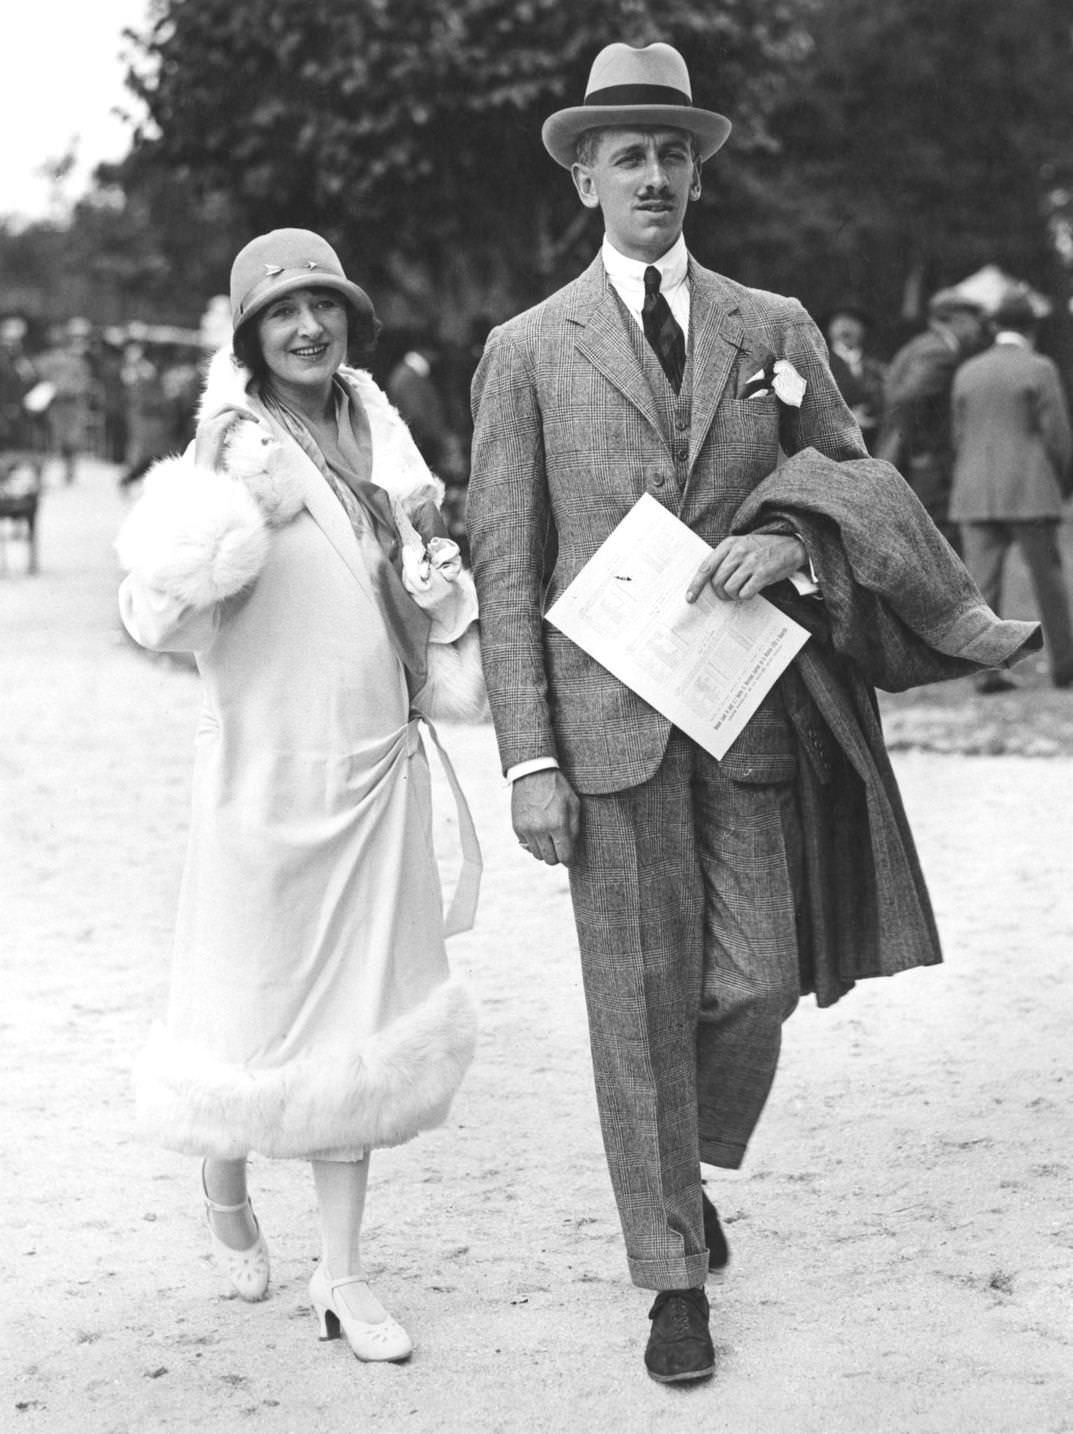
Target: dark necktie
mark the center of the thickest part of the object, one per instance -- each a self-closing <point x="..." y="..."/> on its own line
<point x="661" y="330"/>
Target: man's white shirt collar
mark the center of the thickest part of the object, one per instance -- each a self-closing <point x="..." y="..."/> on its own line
<point x="627" y="277"/>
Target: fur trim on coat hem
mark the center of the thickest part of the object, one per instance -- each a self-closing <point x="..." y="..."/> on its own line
<point x="197" y="536"/>
<point x="454" y="690"/>
<point x="400" y="1082"/>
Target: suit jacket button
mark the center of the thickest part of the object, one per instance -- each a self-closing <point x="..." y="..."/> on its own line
<point x="658" y="480"/>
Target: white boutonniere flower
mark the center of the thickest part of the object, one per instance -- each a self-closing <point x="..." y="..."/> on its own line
<point x="777" y="376"/>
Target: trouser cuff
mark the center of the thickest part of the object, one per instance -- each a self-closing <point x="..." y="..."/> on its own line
<point x="723" y="1153"/>
<point x="684" y="1274"/>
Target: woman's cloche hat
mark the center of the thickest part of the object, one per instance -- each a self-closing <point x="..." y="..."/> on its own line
<point x="630" y="87"/>
<point x="286" y="259"/>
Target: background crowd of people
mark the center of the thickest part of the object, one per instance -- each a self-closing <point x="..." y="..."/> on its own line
<point x="978" y="422"/>
<point x="128" y="395"/>
<point x="124" y="395"/>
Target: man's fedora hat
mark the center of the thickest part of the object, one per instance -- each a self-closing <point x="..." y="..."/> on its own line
<point x="953" y="301"/>
<point x="630" y="87"/>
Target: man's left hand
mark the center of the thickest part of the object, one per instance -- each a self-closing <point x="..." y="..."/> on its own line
<point x="739" y="568"/>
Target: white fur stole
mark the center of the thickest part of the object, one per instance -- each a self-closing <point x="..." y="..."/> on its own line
<point x="196" y="535"/>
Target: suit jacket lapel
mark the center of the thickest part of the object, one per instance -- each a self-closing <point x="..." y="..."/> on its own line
<point x="604" y="341"/>
<point x="718" y="338"/>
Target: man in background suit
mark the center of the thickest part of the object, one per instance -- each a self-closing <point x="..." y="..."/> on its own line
<point x="701" y="896"/>
<point x="915" y="432"/>
<point x="859" y="376"/>
<point x="1013" y="467"/>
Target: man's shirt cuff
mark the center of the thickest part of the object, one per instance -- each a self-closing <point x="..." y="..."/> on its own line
<point x="806" y="583"/>
<point x="534" y="764"/>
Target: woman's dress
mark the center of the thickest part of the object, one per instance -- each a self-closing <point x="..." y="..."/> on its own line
<point x="311" y="1010"/>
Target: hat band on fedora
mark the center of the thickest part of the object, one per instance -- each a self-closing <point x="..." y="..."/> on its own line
<point x="639" y="95"/>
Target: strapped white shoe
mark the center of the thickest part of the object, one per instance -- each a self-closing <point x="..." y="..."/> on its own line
<point x="382" y="1340"/>
<point x="248" y="1270"/>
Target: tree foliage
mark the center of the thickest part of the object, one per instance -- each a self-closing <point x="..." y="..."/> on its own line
<point x="134" y="248"/>
<point x="408" y="131"/>
<point x="878" y="150"/>
<point x="921" y="141"/>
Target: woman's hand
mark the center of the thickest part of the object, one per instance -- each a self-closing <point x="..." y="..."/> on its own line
<point x="211" y="437"/>
<point x="739" y="568"/>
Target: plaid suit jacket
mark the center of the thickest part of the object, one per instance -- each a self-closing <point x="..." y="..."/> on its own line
<point x="567" y="437"/>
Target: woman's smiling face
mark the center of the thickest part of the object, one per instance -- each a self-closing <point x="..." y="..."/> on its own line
<point x="303" y="337"/>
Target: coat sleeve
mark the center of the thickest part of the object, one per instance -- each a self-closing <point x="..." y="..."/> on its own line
<point x="507" y="520"/>
<point x="915" y="397"/>
<point x="898" y="600"/>
<point x="1055" y="427"/>
<point x="193" y="539"/>
<point x="162" y="623"/>
<point x="958" y="405"/>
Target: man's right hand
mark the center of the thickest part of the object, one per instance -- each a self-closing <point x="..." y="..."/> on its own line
<point x="546" y="814"/>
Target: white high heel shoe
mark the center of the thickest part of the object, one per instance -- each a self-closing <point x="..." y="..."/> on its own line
<point x="248" y="1270"/>
<point x="383" y="1340"/>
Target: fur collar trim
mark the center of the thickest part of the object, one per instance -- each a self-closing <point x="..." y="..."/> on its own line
<point x="398" y="467"/>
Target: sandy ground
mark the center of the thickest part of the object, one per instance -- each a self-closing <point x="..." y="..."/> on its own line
<point x="902" y="1235"/>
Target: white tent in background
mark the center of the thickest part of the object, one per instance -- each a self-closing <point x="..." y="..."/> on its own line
<point x="990" y="285"/>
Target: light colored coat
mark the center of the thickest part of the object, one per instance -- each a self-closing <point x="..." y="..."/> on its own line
<point x="1012" y="437"/>
<point x="311" y="1008"/>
